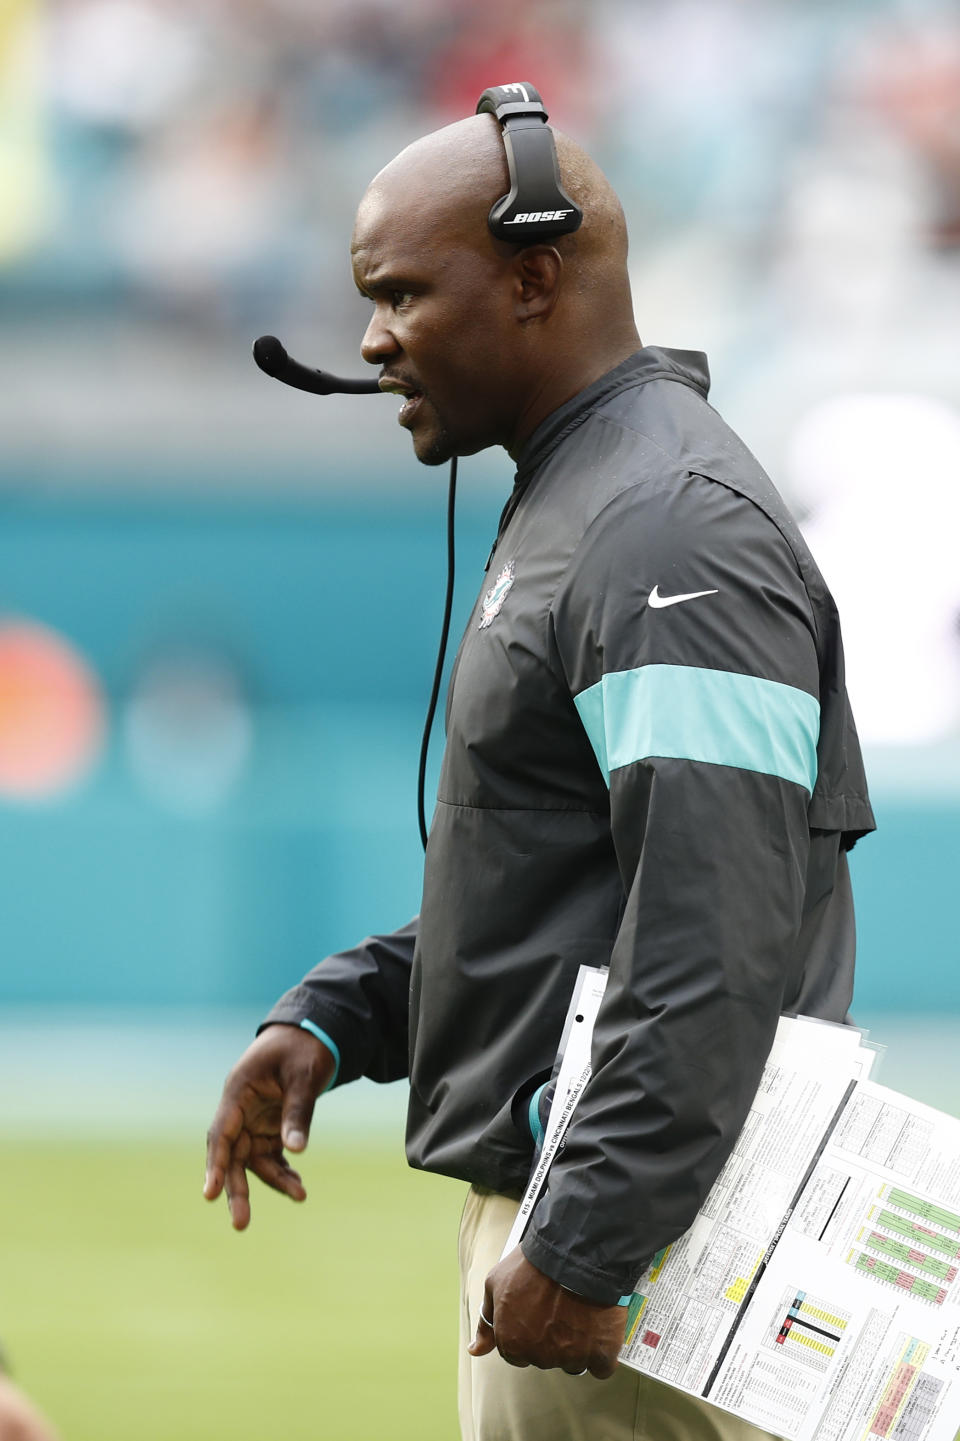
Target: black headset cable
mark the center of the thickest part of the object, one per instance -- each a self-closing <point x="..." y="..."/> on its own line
<point x="441" y="652"/>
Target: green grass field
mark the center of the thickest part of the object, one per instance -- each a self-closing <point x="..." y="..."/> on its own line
<point x="131" y="1310"/>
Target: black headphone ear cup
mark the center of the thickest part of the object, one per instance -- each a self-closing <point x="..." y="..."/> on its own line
<point x="536" y="207"/>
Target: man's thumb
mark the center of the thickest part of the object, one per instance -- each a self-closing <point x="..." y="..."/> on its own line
<point x="295" y="1120"/>
<point x="484" y="1341"/>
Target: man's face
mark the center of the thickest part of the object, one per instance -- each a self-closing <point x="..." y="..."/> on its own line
<point x="442" y="327"/>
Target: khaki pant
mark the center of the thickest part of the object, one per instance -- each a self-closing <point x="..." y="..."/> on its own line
<point x="510" y="1403"/>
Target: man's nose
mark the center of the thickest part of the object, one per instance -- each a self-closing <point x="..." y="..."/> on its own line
<point x="378" y="343"/>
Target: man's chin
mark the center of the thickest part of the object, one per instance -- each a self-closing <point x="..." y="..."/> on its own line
<point x="440" y="446"/>
<point x="435" y="449"/>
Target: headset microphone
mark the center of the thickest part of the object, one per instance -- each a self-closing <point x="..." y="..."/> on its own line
<point x="274" y="360"/>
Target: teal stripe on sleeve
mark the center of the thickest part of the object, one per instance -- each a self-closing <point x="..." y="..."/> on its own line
<point x="688" y="713"/>
<point x="533" y="1115"/>
<point x="330" y="1044"/>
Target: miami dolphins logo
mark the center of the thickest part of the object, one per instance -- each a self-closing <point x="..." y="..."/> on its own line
<point x="492" y="603"/>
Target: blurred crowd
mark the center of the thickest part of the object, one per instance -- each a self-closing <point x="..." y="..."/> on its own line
<point x="196" y="156"/>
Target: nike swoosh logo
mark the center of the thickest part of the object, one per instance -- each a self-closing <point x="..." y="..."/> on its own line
<point x="658" y="601"/>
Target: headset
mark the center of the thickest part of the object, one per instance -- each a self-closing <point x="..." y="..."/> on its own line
<point x="536" y="208"/>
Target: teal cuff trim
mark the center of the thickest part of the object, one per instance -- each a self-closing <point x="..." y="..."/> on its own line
<point x="688" y="713"/>
<point x="533" y="1115"/>
<point x="331" y="1046"/>
<point x="625" y="1300"/>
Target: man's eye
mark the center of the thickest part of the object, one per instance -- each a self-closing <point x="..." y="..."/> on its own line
<point x="400" y="298"/>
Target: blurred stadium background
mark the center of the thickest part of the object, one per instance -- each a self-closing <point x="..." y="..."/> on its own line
<point x="219" y="602"/>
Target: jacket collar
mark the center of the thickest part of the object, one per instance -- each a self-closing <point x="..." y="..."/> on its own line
<point x="688" y="367"/>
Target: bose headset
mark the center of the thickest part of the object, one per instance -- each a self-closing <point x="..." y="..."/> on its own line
<point x="535" y="208"/>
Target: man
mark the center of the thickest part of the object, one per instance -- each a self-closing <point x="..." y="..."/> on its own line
<point x="650" y="764"/>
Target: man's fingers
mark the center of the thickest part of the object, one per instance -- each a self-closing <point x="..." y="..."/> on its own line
<point x="238" y="1195"/>
<point x="275" y="1172"/>
<point x="538" y="1323"/>
<point x="212" y="1182"/>
<point x="224" y="1130"/>
<point x="515" y="1360"/>
<point x="271" y="1167"/>
<point x="602" y="1366"/>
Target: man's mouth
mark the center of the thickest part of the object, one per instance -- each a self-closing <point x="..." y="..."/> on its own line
<point x="409" y="408"/>
<point x="411" y="396"/>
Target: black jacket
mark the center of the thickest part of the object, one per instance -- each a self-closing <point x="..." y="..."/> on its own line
<point x="651" y="764"/>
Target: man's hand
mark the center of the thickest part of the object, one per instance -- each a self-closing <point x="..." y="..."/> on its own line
<point x="19" y="1418"/>
<point x="267" y="1104"/>
<point x="537" y="1323"/>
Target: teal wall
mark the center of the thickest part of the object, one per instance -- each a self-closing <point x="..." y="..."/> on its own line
<point x="906" y="881"/>
<point x="329" y="611"/>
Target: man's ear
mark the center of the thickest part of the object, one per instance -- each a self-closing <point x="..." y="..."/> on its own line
<point x="538" y="271"/>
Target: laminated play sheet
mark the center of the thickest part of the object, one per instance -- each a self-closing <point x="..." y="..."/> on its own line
<point x="816" y="1294"/>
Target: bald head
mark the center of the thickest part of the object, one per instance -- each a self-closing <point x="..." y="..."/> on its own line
<point x="452" y="170"/>
<point x="533" y="324"/>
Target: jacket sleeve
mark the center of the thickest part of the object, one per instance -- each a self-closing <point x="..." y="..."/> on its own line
<point x="357" y="1002"/>
<point x="701" y="708"/>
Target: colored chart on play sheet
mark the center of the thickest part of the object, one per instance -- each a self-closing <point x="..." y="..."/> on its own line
<point x="638" y="1301"/>
<point x="808" y="1329"/>
<point x="909" y="1399"/>
<point x="928" y="1210"/>
<point x="910" y="1243"/>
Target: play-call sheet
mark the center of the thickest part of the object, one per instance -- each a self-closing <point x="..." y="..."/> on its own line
<point x="816" y="1295"/>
